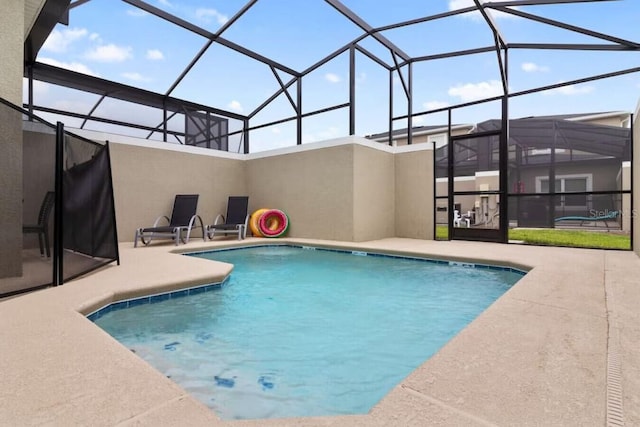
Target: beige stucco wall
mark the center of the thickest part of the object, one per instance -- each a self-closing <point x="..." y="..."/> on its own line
<point x="341" y="190"/>
<point x="414" y="194"/>
<point x="146" y="180"/>
<point x="11" y="49"/>
<point x="374" y="208"/>
<point x="315" y="188"/>
<point x="11" y="55"/>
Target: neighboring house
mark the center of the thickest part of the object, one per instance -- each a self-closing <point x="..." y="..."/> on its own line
<point x="422" y="134"/>
<point x="592" y="154"/>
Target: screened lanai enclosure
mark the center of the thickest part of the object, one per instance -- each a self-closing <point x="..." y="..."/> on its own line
<point x="561" y="174"/>
<point x="248" y="76"/>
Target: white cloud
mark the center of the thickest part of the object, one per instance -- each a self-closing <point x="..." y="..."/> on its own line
<point x="276" y="130"/>
<point x="462" y="4"/>
<point x="418" y="120"/>
<point x="206" y="15"/>
<point x="95" y="37"/>
<point x="135" y="12"/>
<point x="235" y="106"/>
<point x="361" y="78"/>
<point x="474" y="91"/>
<point x="531" y="67"/>
<point x="332" y="78"/>
<point x="434" y="105"/>
<point x="73" y="66"/>
<point x="165" y="3"/>
<point x="59" y="41"/>
<point x="71" y="105"/>
<point x="136" y="77"/>
<point x="109" y="53"/>
<point x="154" y="54"/>
<point x="570" y="90"/>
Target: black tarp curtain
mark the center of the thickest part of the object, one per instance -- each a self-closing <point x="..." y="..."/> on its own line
<point x="88" y="209"/>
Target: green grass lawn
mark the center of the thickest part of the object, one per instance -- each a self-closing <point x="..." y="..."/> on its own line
<point x="576" y="238"/>
<point x="555" y="237"/>
<point x="442" y="232"/>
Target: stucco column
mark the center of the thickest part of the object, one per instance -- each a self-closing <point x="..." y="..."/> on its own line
<point x="11" y="57"/>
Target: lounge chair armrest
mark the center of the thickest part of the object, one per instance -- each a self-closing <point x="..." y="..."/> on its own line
<point x="246" y="225"/>
<point x="219" y="220"/>
<point x="157" y="221"/>
<point x="192" y="225"/>
<point x="192" y="222"/>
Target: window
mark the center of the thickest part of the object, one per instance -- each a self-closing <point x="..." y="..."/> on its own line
<point x="568" y="184"/>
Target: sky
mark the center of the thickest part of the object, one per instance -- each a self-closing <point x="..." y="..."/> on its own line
<point x="113" y="40"/>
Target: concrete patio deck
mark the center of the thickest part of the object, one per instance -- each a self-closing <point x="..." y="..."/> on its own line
<point x="559" y="348"/>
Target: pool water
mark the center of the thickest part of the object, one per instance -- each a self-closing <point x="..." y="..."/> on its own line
<point x="300" y="332"/>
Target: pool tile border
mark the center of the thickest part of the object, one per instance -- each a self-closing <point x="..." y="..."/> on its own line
<point x="155" y="298"/>
<point x="375" y="254"/>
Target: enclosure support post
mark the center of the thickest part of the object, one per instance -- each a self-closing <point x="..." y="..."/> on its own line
<point x="58" y="246"/>
<point x="299" y="112"/>
<point x="246" y="136"/>
<point x="391" y="107"/>
<point x="410" y="105"/>
<point x="352" y="90"/>
<point x="504" y="159"/>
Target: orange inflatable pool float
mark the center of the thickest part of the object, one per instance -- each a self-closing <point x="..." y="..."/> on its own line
<point x="254" y="222"/>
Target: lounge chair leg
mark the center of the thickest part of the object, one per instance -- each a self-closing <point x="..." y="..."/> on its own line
<point x="135" y="242"/>
<point x="41" y="244"/>
<point x="46" y="244"/>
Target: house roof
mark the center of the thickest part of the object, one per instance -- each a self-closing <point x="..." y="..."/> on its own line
<point x="417" y="130"/>
<point x="581" y="116"/>
<point x="495" y="124"/>
<point x="541" y="133"/>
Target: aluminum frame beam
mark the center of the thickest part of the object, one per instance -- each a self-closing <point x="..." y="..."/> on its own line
<point x="349" y="14"/>
<point x="208" y="35"/>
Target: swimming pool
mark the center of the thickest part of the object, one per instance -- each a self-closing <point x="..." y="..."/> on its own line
<point x="301" y="332"/>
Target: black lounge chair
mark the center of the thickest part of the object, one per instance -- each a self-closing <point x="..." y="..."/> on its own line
<point x="42" y="227"/>
<point x="236" y="220"/>
<point x="183" y="220"/>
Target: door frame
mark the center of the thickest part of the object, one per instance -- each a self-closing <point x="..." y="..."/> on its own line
<point x="499" y="235"/>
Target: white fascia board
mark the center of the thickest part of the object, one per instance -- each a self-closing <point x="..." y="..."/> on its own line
<point x="320" y="145"/>
<point x="588" y="117"/>
<point x="435" y="131"/>
<point x="159" y="145"/>
<point x="488" y="173"/>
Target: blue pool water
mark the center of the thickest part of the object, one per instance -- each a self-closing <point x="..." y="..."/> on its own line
<point x="300" y="332"/>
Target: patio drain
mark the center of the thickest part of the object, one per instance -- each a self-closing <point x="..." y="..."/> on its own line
<point x="615" y="412"/>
